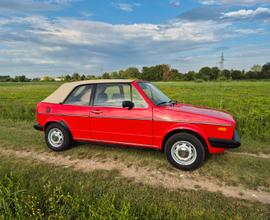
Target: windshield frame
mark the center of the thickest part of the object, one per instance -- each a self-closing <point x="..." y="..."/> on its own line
<point x="160" y="98"/>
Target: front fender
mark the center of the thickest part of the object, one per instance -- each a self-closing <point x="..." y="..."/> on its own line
<point x="194" y="128"/>
<point x="190" y="127"/>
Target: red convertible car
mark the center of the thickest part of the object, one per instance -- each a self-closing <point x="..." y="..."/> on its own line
<point x="136" y="113"/>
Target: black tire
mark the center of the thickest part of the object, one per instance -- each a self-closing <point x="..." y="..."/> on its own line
<point x="67" y="138"/>
<point x="193" y="143"/>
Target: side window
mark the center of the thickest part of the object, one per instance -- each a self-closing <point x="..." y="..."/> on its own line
<point x="111" y="95"/>
<point x="80" y="96"/>
<point x="137" y="99"/>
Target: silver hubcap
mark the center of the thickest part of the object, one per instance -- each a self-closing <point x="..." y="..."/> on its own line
<point x="55" y="137"/>
<point x="184" y="153"/>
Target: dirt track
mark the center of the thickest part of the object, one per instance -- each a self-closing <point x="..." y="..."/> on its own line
<point x="260" y="155"/>
<point x="144" y="175"/>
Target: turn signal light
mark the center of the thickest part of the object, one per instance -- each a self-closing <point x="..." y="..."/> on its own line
<point x="222" y="129"/>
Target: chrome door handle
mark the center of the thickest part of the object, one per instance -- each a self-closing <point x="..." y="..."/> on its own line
<point x="96" y="111"/>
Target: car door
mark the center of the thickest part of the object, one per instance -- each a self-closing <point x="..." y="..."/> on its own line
<point x="75" y="111"/>
<point x="111" y="122"/>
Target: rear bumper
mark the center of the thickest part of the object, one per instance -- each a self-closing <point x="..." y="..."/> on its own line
<point x="225" y="143"/>
<point x="38" y="127"/>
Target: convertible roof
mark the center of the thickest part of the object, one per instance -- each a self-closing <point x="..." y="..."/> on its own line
<point x="60" y="94"/>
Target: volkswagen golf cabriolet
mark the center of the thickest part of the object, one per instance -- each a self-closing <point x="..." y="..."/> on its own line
<point x="135" y="113"/>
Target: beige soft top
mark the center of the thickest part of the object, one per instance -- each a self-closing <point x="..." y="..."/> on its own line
<point x="60" y="94"/>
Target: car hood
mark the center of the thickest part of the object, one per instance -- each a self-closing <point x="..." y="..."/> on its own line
<point x="207" y="114"/>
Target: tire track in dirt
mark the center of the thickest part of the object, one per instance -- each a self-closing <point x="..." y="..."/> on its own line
<point x="164" y="179"/>
<point x="260" y="155"/>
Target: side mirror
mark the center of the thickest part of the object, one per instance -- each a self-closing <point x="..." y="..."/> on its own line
<point x="128" y="104"/>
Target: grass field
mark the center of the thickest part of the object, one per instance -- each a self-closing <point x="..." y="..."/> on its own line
<point x="105" y="195"/>
<point x="249" y="102"/>
<point x="61" y="192"/>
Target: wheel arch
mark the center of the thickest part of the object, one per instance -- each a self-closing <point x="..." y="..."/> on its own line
<point x="63" y="123"/>
<point x="184" y="130"/>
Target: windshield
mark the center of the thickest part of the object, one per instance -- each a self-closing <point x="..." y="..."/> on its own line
<point x="153" y="93"/>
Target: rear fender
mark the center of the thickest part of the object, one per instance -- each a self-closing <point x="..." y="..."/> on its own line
<point x="55" y="119"/>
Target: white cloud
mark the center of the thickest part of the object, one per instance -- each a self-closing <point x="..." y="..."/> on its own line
<point x="243" y="13"/>
<point x="126" y="6"/>
<point x="96" y="33"/>
<point x="36" y="44"/>
<point x="249" y="31"/>
<point x="87" y="13"/>
<point x="175" y="3"/>
<point x="233" y="2"/>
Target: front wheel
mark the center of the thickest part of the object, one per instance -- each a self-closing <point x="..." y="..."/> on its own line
<point x="185" y="151"/>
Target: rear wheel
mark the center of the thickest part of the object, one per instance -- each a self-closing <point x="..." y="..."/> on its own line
<point x="185" y="151"/>
<point x="57" y="137"/>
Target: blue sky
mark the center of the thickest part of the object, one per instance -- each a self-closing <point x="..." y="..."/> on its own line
<point x="54" y="37"/>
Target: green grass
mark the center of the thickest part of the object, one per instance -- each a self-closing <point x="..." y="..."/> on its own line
<point x="232" y="169"/>
<point x="57" y="193"/>
<point x="18" y="100"/>
<point x="249" y="102"/>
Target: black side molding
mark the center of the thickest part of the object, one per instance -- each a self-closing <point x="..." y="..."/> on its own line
<point x="38" y="127"/>
<point x="225" y="143"/>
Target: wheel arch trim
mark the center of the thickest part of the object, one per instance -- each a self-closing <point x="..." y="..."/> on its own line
<point x="61" y="122"/>
<point x="185" y="129"/>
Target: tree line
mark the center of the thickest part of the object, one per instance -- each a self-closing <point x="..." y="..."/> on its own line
<point x="161" y="72"/>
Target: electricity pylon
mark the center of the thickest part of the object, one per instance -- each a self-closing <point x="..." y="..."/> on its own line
<point x="221" y="62"/>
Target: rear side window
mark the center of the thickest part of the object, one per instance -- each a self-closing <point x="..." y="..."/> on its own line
<point x="80" y="96"/>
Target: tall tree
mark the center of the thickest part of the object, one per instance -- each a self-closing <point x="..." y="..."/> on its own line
<point x="5" y="78"/>
<point x="214" y="74"/>
<point x="237" y="74"/>
<point x="226" y="73"/>
<point x="251" y="75"/>
<point x="76" y="76"/>
<point x="21" y="78"/>
<point x="89" y="77"/>
<point x="152" y="73"/>
<point x="114" y="75"/>
<point x="190" y="75"/>
<point x="121" y="74"/>
<point x="132" y="73"/>
<point x="67" y="77"/>
<point x="205" y="73"/>
<point x="83" y="77"/>
<point x="106" y="75"/>
<point x="166" y="72"/>
<point x="256" y="68"/>
<point x="266" y="71"/>
<point x="175" y="75"/>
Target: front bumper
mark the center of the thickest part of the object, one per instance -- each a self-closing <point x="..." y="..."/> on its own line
<point x="38" y="127"/>
<point x="225" y="143"/>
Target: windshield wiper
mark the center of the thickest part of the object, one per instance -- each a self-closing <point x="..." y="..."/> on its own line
<point x="162" y="103"/>
<point x="165" y="102"/>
